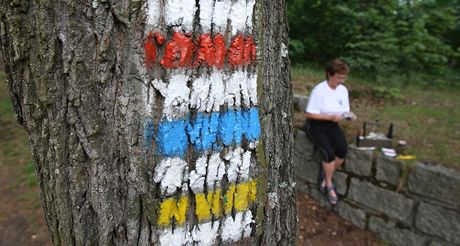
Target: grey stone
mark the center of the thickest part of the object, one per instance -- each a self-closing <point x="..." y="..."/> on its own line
<point x="389" y="170"/>
<point x="391" y="203"/>
<point x="440" y="243"/>
<point x="320" y="198"/>
<point x="305" y="168"/>
<point x="389" y="232"/>
<point x="302" y="187"/>
<point x="438" y="221"/>
<point x="436" y="181"/>
<point x="359" y="161"/>
<point x="340" y="180"/>
<point x="354" y="215"/>
<point x="300" y="102"/>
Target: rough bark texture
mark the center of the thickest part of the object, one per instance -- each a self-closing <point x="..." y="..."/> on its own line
<point x="74" y="75"/>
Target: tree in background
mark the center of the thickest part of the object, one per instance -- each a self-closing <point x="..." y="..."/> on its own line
<point x="379" y="38"/>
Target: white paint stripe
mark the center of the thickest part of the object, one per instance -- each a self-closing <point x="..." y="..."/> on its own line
<point x="153" y="12"/>
<point x="238" y="16"/>
<point x="180" y="13"/>
<point x="197" y="176"/>
<point x="149" y="96"/>
<point x="236" y="90"/>
<point x="252" y="88"/>
<point x="220" y="15"/>
<point x="205" y="234"/>
<point x="171" y="173"/>
<point x="235" y="229"/>
<point x="216" y="171"/>
<point x="206" y="9"/>
<point x="249" y="12"/>
<point x="176" y="94"/>
<point x="210" y="170"/>
<point x="239" y="163"/>
<point x="178" y="236"/>
<point x="207" y="93"/>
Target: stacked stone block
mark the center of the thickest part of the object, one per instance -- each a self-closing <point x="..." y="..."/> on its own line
<point x="416" y="204"/>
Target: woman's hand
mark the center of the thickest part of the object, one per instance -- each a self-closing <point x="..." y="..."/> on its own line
<point x="349" y="116"/>
<point x="353" y="116"/>
<point x="335" y="118"/>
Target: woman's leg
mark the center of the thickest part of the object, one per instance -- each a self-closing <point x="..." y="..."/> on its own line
<point x="329" y="168"/>
<point x="339" y="143"/>
<point x="318" y="136"/>
<point x="338" y="162"/>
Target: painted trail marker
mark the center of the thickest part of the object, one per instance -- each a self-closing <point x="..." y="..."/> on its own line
<point x="209" y="127"/>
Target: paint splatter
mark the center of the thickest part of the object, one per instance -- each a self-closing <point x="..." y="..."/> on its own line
<point x="206" y="51"/>
<point x="150" y="52"/>
<point x="206" y="131"/>
<point x="235" y="56"/>
<point x="179" y="51"/>
<point x="206" y="8"/>
<point x="172" y="208"/>
<point x="153" y="12"/>
<point x="176" y="236"/>
<point x="237" y="228"/>
<point x="220" y="15"/>
<point x="238" y="17"/>
<point x="205" y="234"/>
<point x="176" y="95"/>
<point x="221" y="50"/>
<point x="209" y="205"/>
<point x="180" y="14"/>
<point x="249" y="52"/>
<point x="171" y="139"/>
<point x="215" y="136"/>
<point x="171" y="173"/>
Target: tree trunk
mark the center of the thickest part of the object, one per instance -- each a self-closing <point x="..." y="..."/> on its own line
<point x="158" y="121"/>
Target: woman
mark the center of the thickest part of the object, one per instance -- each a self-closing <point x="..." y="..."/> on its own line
<point x="327" y="105"/>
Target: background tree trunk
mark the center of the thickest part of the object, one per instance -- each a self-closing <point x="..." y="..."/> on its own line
<point x="81" y="84"/>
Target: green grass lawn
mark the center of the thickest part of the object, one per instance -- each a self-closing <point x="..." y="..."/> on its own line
<point x="427" y="118"/>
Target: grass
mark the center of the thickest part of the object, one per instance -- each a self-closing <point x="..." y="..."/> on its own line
<point x="14" y="151"/>
<point x="427" y="118"/>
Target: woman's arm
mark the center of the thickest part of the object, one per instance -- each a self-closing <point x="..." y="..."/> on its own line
<point x="326" y="117"/>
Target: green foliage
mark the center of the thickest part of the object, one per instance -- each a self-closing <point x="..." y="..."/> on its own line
<point x="396" y="40"/>
<point x="389" y="94"/>
<point x="30" y="179"/>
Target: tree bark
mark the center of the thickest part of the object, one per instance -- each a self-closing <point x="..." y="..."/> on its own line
<point x="90" y="82"/>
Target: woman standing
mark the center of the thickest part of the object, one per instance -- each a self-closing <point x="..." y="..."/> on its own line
<point x="328" y="104"/>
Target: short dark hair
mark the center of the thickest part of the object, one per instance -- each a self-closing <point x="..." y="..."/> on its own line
<point x="336" y="66"/>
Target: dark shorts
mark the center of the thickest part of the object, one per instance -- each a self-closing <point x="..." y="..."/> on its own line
<point x="328" y="137"/>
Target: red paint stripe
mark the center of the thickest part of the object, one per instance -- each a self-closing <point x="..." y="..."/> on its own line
<point x="221" y="50"/>
<point x="150" y="52"/>
<point x="235" y="56"/>
<point x="181" y="51"/>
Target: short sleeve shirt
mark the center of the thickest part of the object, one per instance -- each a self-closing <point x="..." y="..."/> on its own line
<point x="325" y="100"/>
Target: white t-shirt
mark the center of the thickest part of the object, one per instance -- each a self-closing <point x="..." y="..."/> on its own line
<point x="325" y="100"/>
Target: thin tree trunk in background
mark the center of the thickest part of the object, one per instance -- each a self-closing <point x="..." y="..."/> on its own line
<point x="134" y="142"/>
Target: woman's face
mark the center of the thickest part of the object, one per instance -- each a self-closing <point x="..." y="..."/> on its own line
<point x="337" y="79"/>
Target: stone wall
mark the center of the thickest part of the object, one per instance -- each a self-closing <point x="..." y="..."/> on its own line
<point x="416" y="204"/>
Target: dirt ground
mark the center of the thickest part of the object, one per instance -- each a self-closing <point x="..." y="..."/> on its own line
<point x="21" y="219"/>
<point x="318" y="226"/>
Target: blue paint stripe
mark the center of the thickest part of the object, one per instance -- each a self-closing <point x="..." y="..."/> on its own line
<point x="205" y="131"/>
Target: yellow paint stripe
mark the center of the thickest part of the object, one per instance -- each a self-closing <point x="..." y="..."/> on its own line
<point x="203" y="209"/>
<point x="239" y="196"/>
<point x="171" y="208"/>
